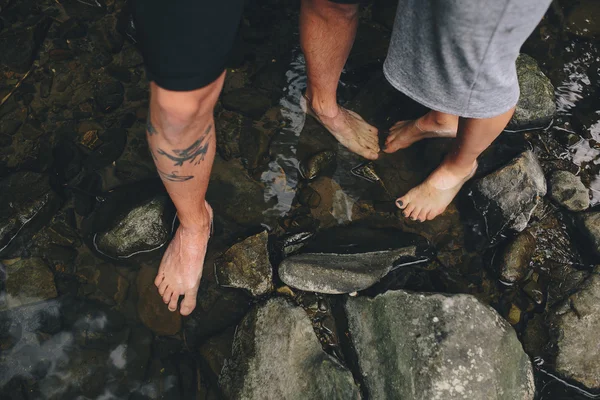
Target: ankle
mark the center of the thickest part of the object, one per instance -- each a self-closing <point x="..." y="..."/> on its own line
<point x="458" y="166"/>
<point x="438" y="120"/>
<point x="324" y="106"/>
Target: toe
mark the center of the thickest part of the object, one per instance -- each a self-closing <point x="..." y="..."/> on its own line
<point x="422" y="216"/>
<point x="162" y="287"/>
<point x="167" y="296"/>
<point x="414" y="215"/>
<point x="408" y="210"/>
<point x="189" y="302"/>
<point x="159" y="279"/>
<point x="401" y="202"/>
<point x="173" y="302"/>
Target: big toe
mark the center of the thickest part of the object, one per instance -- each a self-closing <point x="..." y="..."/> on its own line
<point x="189" y="302"/>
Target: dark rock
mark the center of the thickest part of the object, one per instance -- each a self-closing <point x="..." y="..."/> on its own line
<point x="19" y="47"/>
<point x="293" y="242"/>
<point x="574" y="328"/>
<point x="514" y="262"/>
<point x="254" y="147"/>
<point x="84" y="9"/>
<point x="105" y="33"/>
<point x="535" y="336"/>
<point x="217" y="349"/>
<point x="247" y="101"/>
<point x="109" y="96"/>
<point x="507" y="197"/>
<point x="534" y="291"/>
<point x="123" y="231"/>
<point x="384" y="12"/>
<point x="584" y="19"/>
<point x="305" y="372"/>
<point x="217" y="309"/>
<point x="309" y="197"/>
<point x="151" y="308"/>
<point x="229" y="126"/>
<point x="72" y="28"/>
<point x="27" y="202"/>
<point x="106" y="147"/>
<point x="568" y="191"/>
<point x="101" y="280"/>
<point x="536" y="106"/>
<point x="589" y="224"/>
<point x="318" y="164"/>
<point x="246" y="266"/>
<point x="28" y="281"/>
<point x="456" y="347"/>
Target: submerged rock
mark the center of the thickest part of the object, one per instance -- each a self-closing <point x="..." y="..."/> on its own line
<point x="318" y="164"/>
<point x="584" y="19"/>
<point x="19" y="47"/>
<point x="151" y="308"/>
<point x="568" y="191"/>
<point x="589" y="224"/>
<point x="536" y="106"/>
<point x="26" y="203"/>
<point x="247" y="101"/>
<point x="28" y="281"/>
<point x="515" y="259"/>
<point x="276" y="355"/>
<point x="575" y="326"/>
<point x="142" y="228"/>
<point x="333" y="273"/>
<point x="507" y="197"/>
<point x="246" y="266"/>
<point x="416" y="346"/>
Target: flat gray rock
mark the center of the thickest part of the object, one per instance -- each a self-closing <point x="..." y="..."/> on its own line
<point x="507" y="197"/>
<point x="246" y="265"/>
<point x="333" y="273"/>
<point x="276" y="355"/>
<point x="433" y="347"/>
<point x="568" y="191"/>
<point x="574" y="327"/>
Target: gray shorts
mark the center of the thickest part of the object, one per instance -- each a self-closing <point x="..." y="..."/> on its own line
<point x="458" y="56"/>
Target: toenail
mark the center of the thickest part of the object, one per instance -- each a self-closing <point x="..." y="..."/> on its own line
<point x="399" y="203"/>
<point x="412" y="219"/>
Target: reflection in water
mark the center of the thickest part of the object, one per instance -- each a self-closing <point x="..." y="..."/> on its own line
<point x="281" y="178"/>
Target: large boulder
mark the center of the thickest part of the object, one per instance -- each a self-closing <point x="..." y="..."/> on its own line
<point x="506" y="198"/>
<point x="26" y="203"/>
<point x="417" y="346"/>
<point x="574" y="327"/>
<point x="568" y="191"/>
<point x="276" y="355"/>
<point x="246" y="266"/>
<point x="536" y="106"/>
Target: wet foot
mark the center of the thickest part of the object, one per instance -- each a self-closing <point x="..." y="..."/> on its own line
<point x="432" y="125"/>
<point x="181" y="266"/>
<point x="430" y="198"/>
<point x="353" y="132"/>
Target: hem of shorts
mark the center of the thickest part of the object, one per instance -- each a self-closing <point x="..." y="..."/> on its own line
<point x="432" y="105"/>
<point x="179" y="84"/>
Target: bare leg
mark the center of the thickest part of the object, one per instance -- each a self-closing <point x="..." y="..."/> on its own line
<point x="181" y="136"/>
<point x="327" y="32"/>
<point x="433" y="124"/>
<point x="430" y="199"/>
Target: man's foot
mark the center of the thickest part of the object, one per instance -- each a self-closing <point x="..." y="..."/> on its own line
<point x="430" y="198"/>
<point x="348" y="128"/>
<point x="432" y="125"/>
<point x="181" y="266"/>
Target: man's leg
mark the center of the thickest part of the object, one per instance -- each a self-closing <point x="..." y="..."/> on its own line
<point x="327" y="32"/>
<point x="430" y="199"/>
<point x="181" y="136"/>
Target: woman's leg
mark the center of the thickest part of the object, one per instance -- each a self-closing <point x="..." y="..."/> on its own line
<point x="430" y="198"/>
<point x="431" y="125"/>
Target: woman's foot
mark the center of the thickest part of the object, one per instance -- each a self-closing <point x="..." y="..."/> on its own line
<point x="433" y="124"/>
<point x="430" y="198"/>
<point x="353" y="132"/>
<point x="181" y="266"/>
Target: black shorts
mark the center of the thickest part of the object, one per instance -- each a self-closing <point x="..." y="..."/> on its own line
<point x="186" y="43"/>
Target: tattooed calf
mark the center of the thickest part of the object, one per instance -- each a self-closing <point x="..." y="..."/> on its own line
<point x="194" y="154"/>
<point x="149" y="126"/>
<point x="173" y="177"/>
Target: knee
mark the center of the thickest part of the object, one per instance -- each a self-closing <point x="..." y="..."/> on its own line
<point x="329" y="9"/>
<point x="177" y="114"/>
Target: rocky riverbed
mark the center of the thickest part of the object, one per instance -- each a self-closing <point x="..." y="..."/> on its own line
<point x="314" y="286"/>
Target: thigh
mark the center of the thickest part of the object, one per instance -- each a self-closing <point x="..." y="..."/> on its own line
<point x="186" y="43"/>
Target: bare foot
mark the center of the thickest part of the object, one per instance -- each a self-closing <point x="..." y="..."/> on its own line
<point x="181" y="266"/>
<point x="349" y="129"/>
<point x="432" y="125"/>
<point x="430" y="198"/>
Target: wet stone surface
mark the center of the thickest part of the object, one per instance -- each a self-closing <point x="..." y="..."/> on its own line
<point x="455" y="346"/>
<point x="590" y="228"/>
<point x="568" y="191"/>
<point x="298" y="367"/>
<point x="246" y="266"/>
